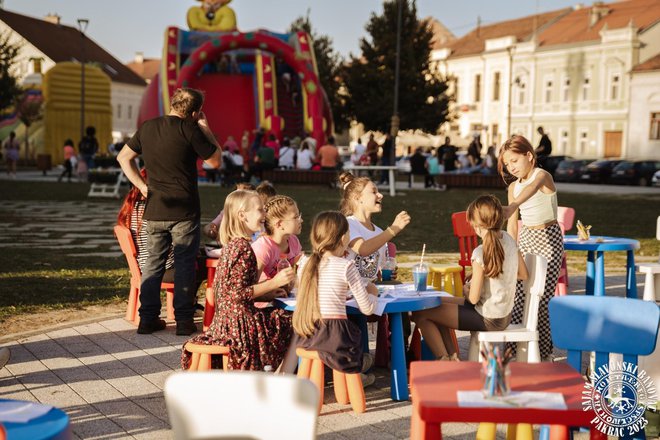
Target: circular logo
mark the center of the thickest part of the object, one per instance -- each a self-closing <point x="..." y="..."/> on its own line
<point x="618" y="395"/>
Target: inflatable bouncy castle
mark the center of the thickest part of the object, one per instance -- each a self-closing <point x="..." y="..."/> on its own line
<point x="251" y="79"/>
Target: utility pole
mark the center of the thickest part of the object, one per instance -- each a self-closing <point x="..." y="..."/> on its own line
<point x="394" y="126"/>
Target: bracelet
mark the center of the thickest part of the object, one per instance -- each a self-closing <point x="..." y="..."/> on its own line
<point x="391" y="231"/>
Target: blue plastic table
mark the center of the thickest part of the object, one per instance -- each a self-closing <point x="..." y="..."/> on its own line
<point x="53" y="425"/>
<point x="596" y="247"/>
<point x="395" y="311"/>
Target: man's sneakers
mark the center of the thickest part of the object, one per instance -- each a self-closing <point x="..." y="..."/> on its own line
<point x="5" y="354"/>
<point x="148" y="327"/>
<point x="185" y="328"/>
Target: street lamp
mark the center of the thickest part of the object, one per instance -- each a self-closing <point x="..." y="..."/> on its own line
<point x="82" y="26"/>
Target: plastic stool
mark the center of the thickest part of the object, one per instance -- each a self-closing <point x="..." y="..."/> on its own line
<point x="651" y="280"/>
<point x="446" y="277"/>
<point x="132" y="310"/>
<point x="201" y="356"/>
<point x="348" y="387"/>
<point x="520" y="431"/>
<point x="422" y="351"/>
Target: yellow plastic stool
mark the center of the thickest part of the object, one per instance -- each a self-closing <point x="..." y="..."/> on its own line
<point x="520" y="431"/>
<point x="446" y="277"/>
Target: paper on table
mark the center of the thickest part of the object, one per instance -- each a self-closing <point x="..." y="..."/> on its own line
<point x="17" y="411"/>
<point x="290" y="302"/>
<point x="380" y="307"/>
<point x="521" y="399"/>
<point x="408" y="290"/>
<point x="212" y="252"/>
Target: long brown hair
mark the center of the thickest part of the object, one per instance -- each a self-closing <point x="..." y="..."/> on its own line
<point x="517" y="144"/>
<point x="126" y="211"/>
<point x="328" y="230"/>
<point x="486" y="213"/>
<point x="351" y="189"/>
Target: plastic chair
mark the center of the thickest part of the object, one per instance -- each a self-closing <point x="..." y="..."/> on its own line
<point x="348" y="387"/>
<point x="652" y="274"/>
<point x="201" y="355"/>
<point x="127" y="246"/>
<point x="605" y="325"/>
<point x="526" y="333"/>
<point x="209" y="307"/>
<point x="467" y="239"/>
<point x="241" y="404"/>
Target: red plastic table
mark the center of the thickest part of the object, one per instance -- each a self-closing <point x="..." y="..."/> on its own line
<point x="434" y="385"/>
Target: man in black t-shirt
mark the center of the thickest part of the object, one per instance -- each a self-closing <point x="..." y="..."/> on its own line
<point x="169" y="146"/>
<point x="545" y="147"/>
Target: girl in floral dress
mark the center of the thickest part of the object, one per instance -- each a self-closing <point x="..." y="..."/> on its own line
<point x="255" y="337"/>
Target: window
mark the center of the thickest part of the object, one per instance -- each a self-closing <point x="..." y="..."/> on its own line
<point x="615" y="87"/>
<point x="130" y="112"/>
<point x="548" y="91"/>
<point x="566" y="90"/>
<point x="583" y="141"/>
<point x="521" y="92"/>
<point x="118" y="111"/>
<point x="496" y="86"/>
<point x="655" y="126"/>
<point x="563" y="140"/>
<point x="585" y="89"/>
<point x="477" y="88"/>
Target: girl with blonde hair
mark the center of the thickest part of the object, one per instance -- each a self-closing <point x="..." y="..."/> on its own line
<point x="255" y="337"/>
<point x="488" y="297"/>
<point x="282" y="225"/>
<point x="320" y="318"/>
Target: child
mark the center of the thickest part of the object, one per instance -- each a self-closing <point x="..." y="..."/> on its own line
<point x="533" y="193"/>
<point x="489" y="296"/>
<point x="283" y="224"/>
<point x="255" y="337"/>
<point x="211" y="230"/>
<point x="320" y="316"/>
<point x="368" y="242"/>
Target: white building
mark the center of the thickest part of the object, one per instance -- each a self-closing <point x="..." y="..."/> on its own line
<point x="566" y="70"/>
<point x="52" y="42"/>
<point x="644" y="116"/>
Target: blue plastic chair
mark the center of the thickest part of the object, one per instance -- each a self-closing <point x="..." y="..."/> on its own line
<point x="604" y="325"/>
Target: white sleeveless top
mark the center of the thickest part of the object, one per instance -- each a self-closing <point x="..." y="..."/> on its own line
<point x="539" y="209"/>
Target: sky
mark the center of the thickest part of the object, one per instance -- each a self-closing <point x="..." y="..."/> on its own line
<point x="124" y="27"/>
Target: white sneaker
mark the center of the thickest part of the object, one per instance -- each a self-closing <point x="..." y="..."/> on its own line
<point x="5" y="354"/>
<point x="367" y="379"/>
<point x="367" y="362"/>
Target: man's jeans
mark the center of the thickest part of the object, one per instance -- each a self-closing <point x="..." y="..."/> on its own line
<point x="184" y="235"/>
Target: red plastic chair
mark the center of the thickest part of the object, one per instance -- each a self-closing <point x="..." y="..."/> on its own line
<point x="127" y="246"/>
<point x="467" y="239"/>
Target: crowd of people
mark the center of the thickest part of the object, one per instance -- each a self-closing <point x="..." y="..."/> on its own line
<point x="261" y="257"/>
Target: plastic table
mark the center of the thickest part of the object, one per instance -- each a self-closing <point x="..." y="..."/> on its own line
<point x="395" y="311"/>
<point x="596" y="248"/>
<point x="52" y="425"/>
<point x="434" y="385"/>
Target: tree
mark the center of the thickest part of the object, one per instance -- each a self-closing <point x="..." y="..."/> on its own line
<point x="8" y="85"/>
<point x="423" y="99"/>
<point x="29" y="110"/>
<point x="328" y="63"/>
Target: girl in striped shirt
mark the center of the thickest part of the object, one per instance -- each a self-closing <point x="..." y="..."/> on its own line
<point x="327" y="280"/>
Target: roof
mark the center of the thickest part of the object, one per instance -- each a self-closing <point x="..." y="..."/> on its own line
<point x="441" y="35"/>
<point x="147" y="69"/>
<point x="62" y="43"/>
<point x="652" y="63"/>
<point x="521" y="28"/>
<point x="575" y="27"/>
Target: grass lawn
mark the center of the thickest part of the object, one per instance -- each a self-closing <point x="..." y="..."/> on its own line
<point x="34" y="279"/>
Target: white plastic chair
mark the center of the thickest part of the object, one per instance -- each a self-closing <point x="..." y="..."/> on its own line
<point x="652" y="274"/>
<point x="241" y="404"/>
<point x="525" y="334"/>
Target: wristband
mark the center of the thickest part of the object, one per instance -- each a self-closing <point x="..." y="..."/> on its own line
<point x="391" y="231"/>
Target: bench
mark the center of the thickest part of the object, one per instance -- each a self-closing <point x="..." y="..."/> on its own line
<point x="470" y="180"/>
<point x="321" y="177"/>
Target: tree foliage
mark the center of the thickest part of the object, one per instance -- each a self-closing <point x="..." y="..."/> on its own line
<point x="328" y="63"/>
<point x="369" y="78"/>
<point x="9" y="88"/>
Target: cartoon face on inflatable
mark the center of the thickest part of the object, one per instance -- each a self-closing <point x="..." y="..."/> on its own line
<point x="212" y="16"/>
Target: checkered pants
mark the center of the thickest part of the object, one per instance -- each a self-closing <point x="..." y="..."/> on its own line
<point x="548" y="242"/>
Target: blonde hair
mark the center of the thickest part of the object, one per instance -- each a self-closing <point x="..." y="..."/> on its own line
<point x="486" y="213"/>
<point x="351" y="187"/>
<point x="231" y="226"/>
<point x="276" y="208"/>
<point x="517" y="144"/>
<point x="328" y="230"/>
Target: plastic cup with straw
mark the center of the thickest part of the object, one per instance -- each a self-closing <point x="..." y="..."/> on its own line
<point x="420" y="273"/>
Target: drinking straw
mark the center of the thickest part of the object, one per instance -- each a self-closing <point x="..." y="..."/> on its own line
<point x="421" y="261"/>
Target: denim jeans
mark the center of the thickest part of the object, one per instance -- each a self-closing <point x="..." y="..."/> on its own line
<point x="184" y="236"/>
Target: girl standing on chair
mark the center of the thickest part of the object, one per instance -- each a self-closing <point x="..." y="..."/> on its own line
<point x="496" y="264"/>
<point x="534" y="196"/>
<point x="327" y="278"/>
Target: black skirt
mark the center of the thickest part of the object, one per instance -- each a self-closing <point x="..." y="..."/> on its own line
<point x="339" y="344"/>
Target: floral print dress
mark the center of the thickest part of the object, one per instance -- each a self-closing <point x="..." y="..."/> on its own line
<point x="255" y="337"/>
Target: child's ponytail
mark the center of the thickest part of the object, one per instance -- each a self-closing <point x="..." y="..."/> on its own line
<point x="307" y="311"/>
<point x="493" y="254"/>
<point x="486" y="213"/>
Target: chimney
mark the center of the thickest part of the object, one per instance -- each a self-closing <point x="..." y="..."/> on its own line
<point x="139" y="58"/>
<point x="598" y="11"/>
<point x="52" y="18"/>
